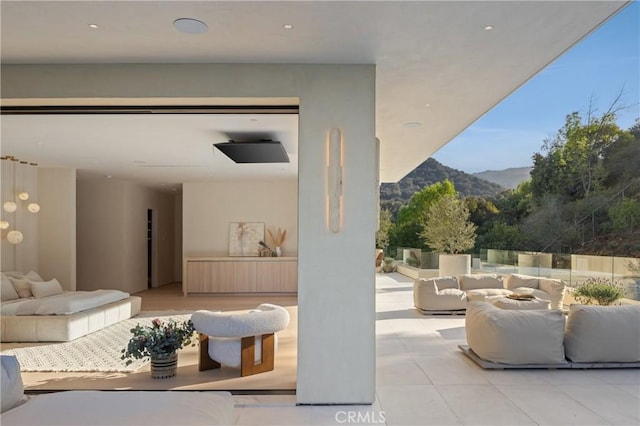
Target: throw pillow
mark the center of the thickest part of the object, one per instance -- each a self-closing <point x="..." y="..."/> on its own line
<point x="8" y="292"/>
<point x="22" y="287"/>
<point x="33" y="276"/>
<point x="15" y="274"/>
<point x="45" y="288"/>
<point x="519" y="281"/>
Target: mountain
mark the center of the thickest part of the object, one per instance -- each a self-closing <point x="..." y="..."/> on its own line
<point x="508" y="178"/>
<point x="395" y="195"/>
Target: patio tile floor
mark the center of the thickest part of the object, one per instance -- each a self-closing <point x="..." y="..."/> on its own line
<point x="423" y="379"/>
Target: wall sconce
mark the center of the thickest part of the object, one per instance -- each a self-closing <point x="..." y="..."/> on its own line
<point x="334" y="180"/>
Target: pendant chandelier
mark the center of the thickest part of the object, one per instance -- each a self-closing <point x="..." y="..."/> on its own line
<point x="19" y="185"/>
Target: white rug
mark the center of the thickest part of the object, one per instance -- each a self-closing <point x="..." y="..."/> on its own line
<point x="99" y="351"/>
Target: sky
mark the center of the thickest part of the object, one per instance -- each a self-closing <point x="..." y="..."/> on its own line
<point x="599" y="67"/>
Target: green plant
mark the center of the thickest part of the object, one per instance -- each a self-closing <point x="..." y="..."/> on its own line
<point x="389" y="264"/>
<point x="159" y="340"/>
<point x="601" y="290"/>
<point x="412" y="261"/>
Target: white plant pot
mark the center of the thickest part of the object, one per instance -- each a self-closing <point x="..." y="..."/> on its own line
<point x="454" y="264"/>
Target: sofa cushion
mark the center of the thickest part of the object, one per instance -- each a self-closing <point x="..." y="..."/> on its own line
<point x="486" y="294"/>
<point x="478" y="281"/>
<point x="603" y="333"/>
<point x="12" y="389"/>
<point x="446" y="282"/>
<point x="518" y="281"/>
<point x="514" y="336"/>
<point x="428" y="296"/>
<point x="555" y="288"/>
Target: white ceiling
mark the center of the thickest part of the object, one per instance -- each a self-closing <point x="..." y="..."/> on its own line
<point x="176" y="148"/>
<point x="426" y="52"/>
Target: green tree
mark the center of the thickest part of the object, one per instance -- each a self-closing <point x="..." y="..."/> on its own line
<point x="515" y="205"/>
<point x="625" y="216"/>
<point x="481" y="211"/>
<point x="622" y="157"/>
<point x="502" y="236"/>
<point x="410" y="217"/>
<point x="547" y="228"/>
<point x="573" y="166"/>
<point x="384" y="229"/>
<point x="447" y="227"/>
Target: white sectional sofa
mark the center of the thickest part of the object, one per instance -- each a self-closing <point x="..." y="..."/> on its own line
<point x="451" y="294"/>
<point x="589" y="337"/>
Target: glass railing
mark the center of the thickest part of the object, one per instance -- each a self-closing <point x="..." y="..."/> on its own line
<point x="572" y="268"/>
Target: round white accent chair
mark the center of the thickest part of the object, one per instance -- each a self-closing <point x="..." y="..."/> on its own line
<point x="247" y="340"/>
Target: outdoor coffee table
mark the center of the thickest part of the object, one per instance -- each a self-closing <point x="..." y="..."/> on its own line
<point x="521" y="303"/>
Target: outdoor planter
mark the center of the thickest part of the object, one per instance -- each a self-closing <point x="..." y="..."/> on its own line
<point x="454" y="264"/>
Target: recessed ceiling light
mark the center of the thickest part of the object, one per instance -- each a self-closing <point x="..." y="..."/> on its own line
<point x="190" y="26"/>
<point x="108" y="176"/>
<point x="488" y="28"/>
<point x="94" y="26"/>
<point x="287" y="26"/>
<point x="409" y="124"/>
<point x="427" y="105"/>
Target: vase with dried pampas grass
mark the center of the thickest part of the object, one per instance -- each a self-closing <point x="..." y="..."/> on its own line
<point x="277" y="240"/>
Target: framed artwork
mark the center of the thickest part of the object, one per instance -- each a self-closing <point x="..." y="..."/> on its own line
<point x="244" y="238"/>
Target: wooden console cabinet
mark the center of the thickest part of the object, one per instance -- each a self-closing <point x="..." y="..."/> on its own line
<point x="240" y="275"/>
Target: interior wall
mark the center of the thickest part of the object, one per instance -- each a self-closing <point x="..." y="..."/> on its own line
<point x="209" y="207"/>
<point x="336" y="280"/>
<point x="57" y="225"/>
<point x="112" y="235"/>
<point x="100" y="236"/>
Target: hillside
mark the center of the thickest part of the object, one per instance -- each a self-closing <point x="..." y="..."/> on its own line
<point x="395" y="195"/>
<point x="507" y="178"/>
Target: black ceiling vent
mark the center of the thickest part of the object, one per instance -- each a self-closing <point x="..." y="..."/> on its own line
<point x="254" y="151"/>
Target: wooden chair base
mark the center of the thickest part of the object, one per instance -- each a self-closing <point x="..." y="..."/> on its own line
<point x="248" y="364"/>
<point x="204" y="360"/>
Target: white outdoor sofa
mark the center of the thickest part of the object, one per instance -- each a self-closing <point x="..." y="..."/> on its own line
<point x="590" y="337"/>
<point x="451" y="294"/>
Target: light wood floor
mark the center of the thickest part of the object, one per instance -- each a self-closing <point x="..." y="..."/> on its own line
<point x="168" y="298"/>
